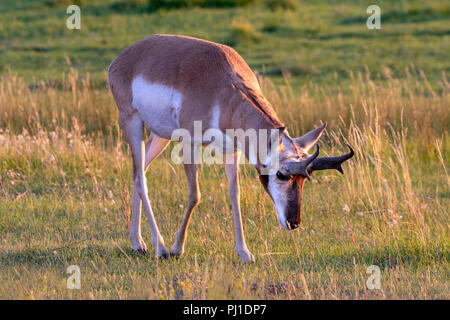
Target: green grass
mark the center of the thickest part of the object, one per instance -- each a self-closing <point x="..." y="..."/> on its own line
<point x="65" y="171"/>
<point x="312" y="42"/>
<point x="66" y="200"/>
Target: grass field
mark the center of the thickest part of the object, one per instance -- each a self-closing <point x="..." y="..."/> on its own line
<point x="65" y="171"/>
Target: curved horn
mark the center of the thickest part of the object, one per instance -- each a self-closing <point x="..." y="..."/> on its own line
<point x="294" y="168"/>
<point x="330" y="162"/>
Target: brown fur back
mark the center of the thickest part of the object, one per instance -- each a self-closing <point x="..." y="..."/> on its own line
<point x="202" y="70"/>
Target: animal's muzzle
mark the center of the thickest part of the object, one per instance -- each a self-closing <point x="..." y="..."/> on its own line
<point x="292" y="224"/>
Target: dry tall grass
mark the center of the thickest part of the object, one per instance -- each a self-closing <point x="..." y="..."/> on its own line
<point x="389" y="209"/>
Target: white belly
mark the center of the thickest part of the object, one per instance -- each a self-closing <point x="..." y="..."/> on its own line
<point x="158" y="106"/>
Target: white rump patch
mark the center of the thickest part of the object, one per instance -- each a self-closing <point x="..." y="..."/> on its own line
<point x="158" y="106"/>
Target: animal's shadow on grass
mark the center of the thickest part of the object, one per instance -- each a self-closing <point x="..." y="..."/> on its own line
<point x="385" y="257"/>
<point x="66" y="255"/>
<point x="113" y="255"/>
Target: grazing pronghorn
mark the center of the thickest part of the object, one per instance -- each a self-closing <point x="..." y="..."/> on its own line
<point x="166" y="82"/>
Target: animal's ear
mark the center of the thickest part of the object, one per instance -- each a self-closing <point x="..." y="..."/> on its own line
<point x="308" y="140"/>
<point x="276" y="135"/>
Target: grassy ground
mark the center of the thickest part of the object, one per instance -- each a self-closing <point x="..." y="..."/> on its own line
<point x="65" y="173"/>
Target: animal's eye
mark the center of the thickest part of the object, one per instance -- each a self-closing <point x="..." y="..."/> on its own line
<point x="282" y="176"/>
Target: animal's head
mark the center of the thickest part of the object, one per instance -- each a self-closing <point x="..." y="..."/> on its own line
<point x="295" y="167"/>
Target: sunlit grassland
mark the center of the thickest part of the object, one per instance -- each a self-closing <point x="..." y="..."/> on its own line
<point x="65" y="170"/>
<point x="65" y="186"/>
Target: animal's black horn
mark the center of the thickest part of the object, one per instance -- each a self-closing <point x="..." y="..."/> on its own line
<point x="330" y="162"/>
<point x="301" y="166"/>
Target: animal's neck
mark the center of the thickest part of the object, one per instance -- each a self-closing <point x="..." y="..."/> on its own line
<point x="260" y="121"/>
<point x="263" y="113"/>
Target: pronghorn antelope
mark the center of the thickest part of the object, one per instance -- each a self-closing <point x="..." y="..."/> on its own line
<point x="166" y="82"/>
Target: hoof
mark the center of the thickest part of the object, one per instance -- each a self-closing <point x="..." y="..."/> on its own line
<point x="162" y="253"/>
<point x="247" y="257"/>
<point x="140" y="251"/>
<point x="177" y="250"/>
<point x="248" y="261"/>
<point x="138" y="244"/>
<point x="175" y="255"/>
<point x="163" y="256"/>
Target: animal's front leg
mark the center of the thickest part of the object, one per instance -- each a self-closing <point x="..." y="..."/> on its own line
<point x="233" y="188"/>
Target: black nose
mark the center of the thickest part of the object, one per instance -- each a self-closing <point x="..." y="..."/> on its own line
<point x="292" y="225"/>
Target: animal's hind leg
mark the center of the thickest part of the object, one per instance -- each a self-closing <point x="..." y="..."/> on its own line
<point x="133" y="129"/>
<point x="135" y="230"/>
<point x="193" y="200"/>
<point x="153" y="148"/>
